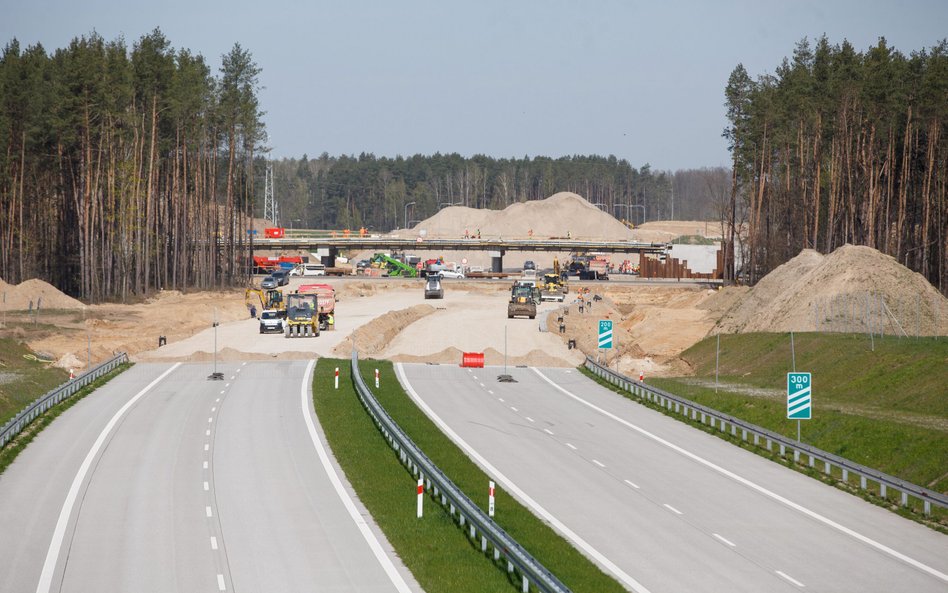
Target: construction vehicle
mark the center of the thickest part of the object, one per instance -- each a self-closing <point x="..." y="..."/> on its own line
<point x="395" y="267"/>
<point x="522" y="301"/>
<point x="325" y="303"/>
<point x="266" y="299"/>
<point x="552" y="288"/>
<point x="302" y="319"/>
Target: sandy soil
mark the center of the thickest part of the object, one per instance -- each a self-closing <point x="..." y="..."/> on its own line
<point x="389" y="318"/>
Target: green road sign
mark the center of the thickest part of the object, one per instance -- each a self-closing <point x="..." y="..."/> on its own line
<point x="605" y="333"/>
<point x="799" y="396"/>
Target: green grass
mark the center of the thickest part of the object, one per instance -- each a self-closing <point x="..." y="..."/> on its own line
<point x="22" y="380"/>
<point x="26" y="436"/>
<point x="886" y="409"/>
<point x="435" y="549"/>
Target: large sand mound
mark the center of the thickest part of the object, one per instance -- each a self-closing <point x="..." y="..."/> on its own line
<point x="847" y="290"/>
<point x="42" y="294"/>
<point x="560" y="214"/>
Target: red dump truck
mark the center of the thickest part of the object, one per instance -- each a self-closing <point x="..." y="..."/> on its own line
<point x="325" y="303"/>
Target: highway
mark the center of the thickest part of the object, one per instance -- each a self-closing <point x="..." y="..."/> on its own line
<point x="665" y="507"/>
<point x="165" y="481"/>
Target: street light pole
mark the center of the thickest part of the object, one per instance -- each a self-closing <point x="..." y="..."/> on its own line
<point x="406" y="212"/>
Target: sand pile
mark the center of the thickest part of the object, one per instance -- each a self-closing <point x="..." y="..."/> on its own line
<point x="845" y="291"/>
<point x="555" y="216"/>
<point x="42" y="294"/>
<point x="372" y="338"/>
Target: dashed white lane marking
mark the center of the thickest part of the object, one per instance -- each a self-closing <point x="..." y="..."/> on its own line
<point x="725" y="540"/>
<point x="208" y="511"/>
<point x="206" y="486"/>
<point x="754" y="486"/>
<point x="59" y="532"/>
<point x="238" y="370"/>
<point x="611" y="566"/>
<point x="672" y="509"/>
<point x="244" y="364"/>
<point x="384" y="561"/>
<point x="514" y="409"/>
<point x="214" y="409"/>
<point x="210" y="420"/>
<point x="226" y="385"/>
<point x="500" y="399"/>
<point x="207" y="433"/>
<point x="217" y="400"/>
<point x="548" y="431"/>
<point x="599" y="463"/>
<point x="790" y="578"/>
<point x="490" y="392"/>
<point x="213" y="543"/>
<point x="206" y="447"/>
<point x="205" y="465"/>
<point x="482" y="385"/>
<point x="530" y="419"/>
<point x="571" y="446"/>
<point x="474" y="377"/>
<point x="636" y="486"/>
<point x="222" y="391"/>
<point x="220" y="583"/>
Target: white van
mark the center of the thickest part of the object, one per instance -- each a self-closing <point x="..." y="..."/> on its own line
<point x="309" y="270"/>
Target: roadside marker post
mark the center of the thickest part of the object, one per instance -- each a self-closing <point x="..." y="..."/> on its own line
<point x="799" y="398"/>
<point x="490" y="500"/>
<point x="376" y="378"/>
<point x="421" y="495"/>
<point x="641" y="376"/>
<point x="337" y="377"/>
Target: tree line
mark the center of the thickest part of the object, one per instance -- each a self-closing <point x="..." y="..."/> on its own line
<point x="840" y="146"/>
<point x="126" y="170"/>
<point x="385" y="193"/>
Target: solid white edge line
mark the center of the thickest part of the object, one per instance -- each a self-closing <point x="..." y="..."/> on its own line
<point x="387" y="565"/>
<point x="725" y="540"/>
<point x="55" y="545"/>
<point x="220" y="583"/>
<point x="790" y="578"/>
<point x="609" y="565"/>
<point x="742" y="480"/>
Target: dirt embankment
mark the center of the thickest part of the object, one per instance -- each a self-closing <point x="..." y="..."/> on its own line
<point x="372" y="338"/>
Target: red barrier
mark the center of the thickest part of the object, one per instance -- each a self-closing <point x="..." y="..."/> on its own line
<point x="474" y="360"/>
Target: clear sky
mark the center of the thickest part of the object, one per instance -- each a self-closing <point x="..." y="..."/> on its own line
<point x="641" y="80"/>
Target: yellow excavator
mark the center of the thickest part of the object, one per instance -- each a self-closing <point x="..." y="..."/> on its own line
<point x="266" y="299"/>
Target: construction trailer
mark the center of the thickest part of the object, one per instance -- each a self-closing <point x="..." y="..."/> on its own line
<point x="325" y="303"/>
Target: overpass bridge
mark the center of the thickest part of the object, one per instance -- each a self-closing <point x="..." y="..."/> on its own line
<point x="495" y="247"/>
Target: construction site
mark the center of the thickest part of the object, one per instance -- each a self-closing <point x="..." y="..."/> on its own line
<point x="542" y="310"/>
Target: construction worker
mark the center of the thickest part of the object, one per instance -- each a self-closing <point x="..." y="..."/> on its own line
<point x="253" y="311"/>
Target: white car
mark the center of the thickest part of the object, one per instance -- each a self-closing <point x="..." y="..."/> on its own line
<point x="309" y="270"/>
<point x="450" y="274"/>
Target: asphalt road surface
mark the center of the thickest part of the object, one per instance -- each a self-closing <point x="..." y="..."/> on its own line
<point x="165" y="481"/>
<point x="665" y="507"/>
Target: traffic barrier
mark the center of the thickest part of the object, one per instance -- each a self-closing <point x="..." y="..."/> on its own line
<point x="474" y="360"/>
<point x="762" y="437"/>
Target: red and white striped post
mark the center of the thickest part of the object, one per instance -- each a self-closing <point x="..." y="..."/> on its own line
<point x="641" y="375"/>
<point x="421" y="495"/>
<point x="337" y="377"/>
<point x="490" y="500"/>
<point x="376" y="378"/>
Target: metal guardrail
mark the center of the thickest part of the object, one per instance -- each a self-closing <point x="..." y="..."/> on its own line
<point x="722" y="422"/>
<point x="45" y="402"/>
<point x="438" y="485"/>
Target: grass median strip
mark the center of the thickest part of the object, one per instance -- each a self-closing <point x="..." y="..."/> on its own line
<point x="567" y="563"/>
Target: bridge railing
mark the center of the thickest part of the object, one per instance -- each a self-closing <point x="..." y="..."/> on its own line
<point x="762" y="437"/>
<point x="55" y="396"/>
<point x="438" y="485"/>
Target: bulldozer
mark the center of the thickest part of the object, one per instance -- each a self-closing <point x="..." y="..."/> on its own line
<point x="266" y="299"/>
<point x="302" y="318"/>
<point x="553" y="288"/>
<point x="523" y="301"/>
